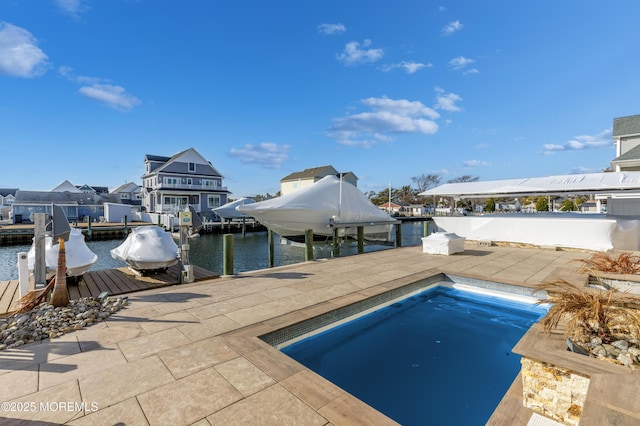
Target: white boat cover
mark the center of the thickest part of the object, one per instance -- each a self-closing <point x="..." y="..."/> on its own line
<point x="589" y="183"/>
<point x="229" y="211"/>
<point x="315" y="206"/>
<point x="572" y="230"/>
<point x="78" y="255"/>
<point x="147" y="248"/>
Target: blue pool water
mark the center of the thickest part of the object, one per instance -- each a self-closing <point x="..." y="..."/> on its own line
<point x="442" y="357"/>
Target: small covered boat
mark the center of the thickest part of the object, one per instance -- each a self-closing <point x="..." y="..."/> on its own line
<point x="78" y="255"/>
<point x="147" y="248"/>
<point x="79" y="258"/>
<point x="322" y="207"/>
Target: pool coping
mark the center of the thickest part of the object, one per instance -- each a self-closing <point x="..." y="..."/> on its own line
<point x="260" y="342"/>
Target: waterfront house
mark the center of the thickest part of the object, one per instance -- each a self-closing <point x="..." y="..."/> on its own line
<point x="186" y="178"/>
<point x="76" y="204"/>
<point x="394" y="208"/>
<point x="626" y="136"/>
<point x="129" y="193"/>
<point x="7" y="197"/>
<point x="307" y="177"/>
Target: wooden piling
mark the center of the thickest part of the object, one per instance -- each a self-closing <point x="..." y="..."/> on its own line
<point x="308" y="243"/>
<point x="399" y="234"/>
<point x="271" y="248"/>
<point x="335" y="242"/>
<point x="360" y="239"/>
<point x="89" y="229"/>
<point x="227" y="254"/>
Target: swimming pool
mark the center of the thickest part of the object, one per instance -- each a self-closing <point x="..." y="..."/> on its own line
<point x="442" y="356"/>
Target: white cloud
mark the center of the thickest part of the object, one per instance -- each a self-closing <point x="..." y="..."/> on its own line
<point x="460" y="62"/>
<point x="331" y="29"/>
<point x="601" y="140"/>
<point x="447" y="101"/>
<point x="583" y="170"/>
<point x="354" y="54"/>
<point x="475" y="163"/>
<point x="387" y="117"/>
<point x="73" y="8"/>
<point x="113" y="96"/>
<point x="19" y="54"/>
<point x="409" y="66"/>
<point x="266" y="154"/>
<point x="451" y="28"/>
<point x="470" y="71"/>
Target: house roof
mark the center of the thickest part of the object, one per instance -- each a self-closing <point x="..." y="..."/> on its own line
<point x="624" y="126"/>
<point x="46" y="197"/>
<point x="632" y="154"/>
<point x="8" y="191"/>
<point x="66" y="186"/>
<point x="312" y="173"/>
<point x="190" y="152"/>
<point x="127" y="187"/>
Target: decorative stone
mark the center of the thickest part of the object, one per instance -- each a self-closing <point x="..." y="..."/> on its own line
<point x="45" y="321"/>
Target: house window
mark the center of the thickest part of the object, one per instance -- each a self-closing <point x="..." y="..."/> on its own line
<point x="124" y="196"/>
<point x="206" y="183"/>
<point x="189" y="181"/>
<point x="213" y="201"/>
<point x="192" y="167"/>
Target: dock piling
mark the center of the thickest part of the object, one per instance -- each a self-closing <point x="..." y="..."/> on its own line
<point x="360" y="239"/>
<point x="308" y="243"/>
<point x="227" y="254"/>
<point x="271" y="248"/>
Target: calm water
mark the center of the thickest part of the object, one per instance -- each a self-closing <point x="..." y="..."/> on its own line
<point x="440" y="358"/>
<point x="251" y="252"/>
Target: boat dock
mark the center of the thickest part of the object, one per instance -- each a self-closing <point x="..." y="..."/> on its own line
<point x="113" y="281"/>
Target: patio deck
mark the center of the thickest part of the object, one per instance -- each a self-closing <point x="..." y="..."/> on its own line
<point x="190" y="354"/>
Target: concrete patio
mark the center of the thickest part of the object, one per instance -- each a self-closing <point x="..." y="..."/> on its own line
<point x="190" y="354"/>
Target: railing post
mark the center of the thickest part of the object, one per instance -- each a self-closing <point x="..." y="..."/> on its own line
<point x="126" y="228"/>
<point x="360" y="239"/>
<point x="399" y="234"/>
<point x="227" y="254"/>
<point x="89" y="229"/>
<point x="308" y="243"/>
<point x="271" y="248"/>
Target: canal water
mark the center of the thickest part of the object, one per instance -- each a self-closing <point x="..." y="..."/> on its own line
<point x="251" y="251"/>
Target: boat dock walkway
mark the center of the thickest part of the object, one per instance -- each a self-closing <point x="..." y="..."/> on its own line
<point x="113" y="281"/>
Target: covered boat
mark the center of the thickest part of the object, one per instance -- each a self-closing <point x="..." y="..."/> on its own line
<point x="78" y="255"/>
<point x="229" y="210"/>
<point x="321" y="207"/>
<point x="147" y="248"/>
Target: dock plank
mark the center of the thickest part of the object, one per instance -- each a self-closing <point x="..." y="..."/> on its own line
<point x="10" y="294"/>
<point x="114" y="281"/>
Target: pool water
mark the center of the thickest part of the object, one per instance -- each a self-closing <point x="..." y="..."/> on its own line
<point x="440" y="357"/>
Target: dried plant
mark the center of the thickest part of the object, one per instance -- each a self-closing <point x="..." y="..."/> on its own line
<point x="623" y="263"/>
<point x="610" y="314"/>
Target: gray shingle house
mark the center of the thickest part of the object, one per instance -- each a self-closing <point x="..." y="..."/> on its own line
<point x="186" y="178"/>
<point x="626" y="135"/>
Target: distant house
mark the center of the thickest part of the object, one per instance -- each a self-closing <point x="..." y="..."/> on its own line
<point x="76" y="204"/>
<point x="417" y="209"/>
<point x="186" y="178"/>
<point x="393" y="208"/>
<point x="626" y="136"/>
<point x="308" y="177"/>
<point x="129" y="193"/>
<point x="7" y="197"/>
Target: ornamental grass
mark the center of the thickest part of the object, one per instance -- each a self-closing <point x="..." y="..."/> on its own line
<point x="607" y="313"/>
<point x="622" y="263"/>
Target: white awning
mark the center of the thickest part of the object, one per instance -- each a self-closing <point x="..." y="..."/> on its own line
<point x="591" y="183"/>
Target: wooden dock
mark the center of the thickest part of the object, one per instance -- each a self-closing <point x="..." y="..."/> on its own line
<point x="113" y="281"/>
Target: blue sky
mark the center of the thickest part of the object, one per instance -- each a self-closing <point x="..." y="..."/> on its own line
<point x="387" y="90"/>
